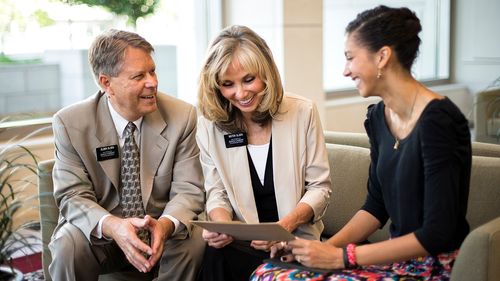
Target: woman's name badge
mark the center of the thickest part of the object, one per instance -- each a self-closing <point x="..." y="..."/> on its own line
<point x="235" y="140"/>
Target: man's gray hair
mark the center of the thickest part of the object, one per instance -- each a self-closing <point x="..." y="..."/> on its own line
<point x="108" y="50"/>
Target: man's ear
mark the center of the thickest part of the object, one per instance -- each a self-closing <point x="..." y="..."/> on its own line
<point x="384" y="55"/>
<point x="105" y="82"/>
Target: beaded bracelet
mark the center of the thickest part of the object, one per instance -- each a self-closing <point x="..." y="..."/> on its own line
<point x="351" y="255"/>
<point x="346" y="258"/>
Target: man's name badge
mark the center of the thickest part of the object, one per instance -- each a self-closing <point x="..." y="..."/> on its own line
<point x="107" y="152"/>
<point x="235" y="140"/>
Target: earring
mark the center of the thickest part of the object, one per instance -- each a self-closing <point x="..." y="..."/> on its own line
<point x="379" y="74"/>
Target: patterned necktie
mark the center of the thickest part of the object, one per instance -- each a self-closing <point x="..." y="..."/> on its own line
<point x="131" y="198"/>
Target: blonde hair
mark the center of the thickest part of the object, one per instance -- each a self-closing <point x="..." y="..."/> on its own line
<point x="242" y="44"/>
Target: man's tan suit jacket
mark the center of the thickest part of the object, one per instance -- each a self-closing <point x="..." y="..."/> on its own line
<point x="86" y="189"/>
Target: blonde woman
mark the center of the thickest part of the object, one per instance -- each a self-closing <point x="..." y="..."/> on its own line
<point x="262" y="153"/>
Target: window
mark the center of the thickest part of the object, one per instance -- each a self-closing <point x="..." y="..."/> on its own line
<point x="43" y="50"/>
<point x="431" y="64"/>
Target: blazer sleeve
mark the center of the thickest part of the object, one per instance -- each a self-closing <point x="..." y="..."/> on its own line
<point x="216" y="195"/>
<point x="317" y="168"/>
<point x="73" y="189"/>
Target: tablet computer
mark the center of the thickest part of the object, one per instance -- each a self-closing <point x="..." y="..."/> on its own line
<point x="267" y="231"/>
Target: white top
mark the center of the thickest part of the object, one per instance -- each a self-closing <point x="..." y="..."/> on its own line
<point x="259" y="158"/>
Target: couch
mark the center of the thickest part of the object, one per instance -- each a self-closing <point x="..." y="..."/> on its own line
<point x="349" y="159"/>
<point x="479" y="256"/>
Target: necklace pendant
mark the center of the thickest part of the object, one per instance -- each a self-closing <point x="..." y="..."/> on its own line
<point x="396" y="144"/>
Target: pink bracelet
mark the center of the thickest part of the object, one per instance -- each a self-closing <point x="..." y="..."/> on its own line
<point x="351" y="254"/>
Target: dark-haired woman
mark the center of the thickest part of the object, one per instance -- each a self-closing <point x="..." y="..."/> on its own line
<point x="419" y="173"/>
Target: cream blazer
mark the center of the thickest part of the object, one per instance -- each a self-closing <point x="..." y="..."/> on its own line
<point x="300" y="167"/>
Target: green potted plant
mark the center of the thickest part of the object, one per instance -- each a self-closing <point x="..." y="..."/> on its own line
<point x="17" y="173"/>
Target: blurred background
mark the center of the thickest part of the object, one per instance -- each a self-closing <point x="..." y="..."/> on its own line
<point x="43" y="52"/>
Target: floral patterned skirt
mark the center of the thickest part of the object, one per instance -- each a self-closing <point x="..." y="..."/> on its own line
<point x="430" y="268"/>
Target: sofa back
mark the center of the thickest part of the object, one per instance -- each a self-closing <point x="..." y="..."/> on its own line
<point x="344" y="138"/>
<point x="485" y="149"/>
<point x="361" y="140"/>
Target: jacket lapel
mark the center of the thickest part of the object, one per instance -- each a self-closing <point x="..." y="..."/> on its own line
<point x="106" y="136"/>
<point x="284" y="163"/>
<point x="153" y="148"/>
<point x="239" y="171"/>
<point x="241" y="182"/>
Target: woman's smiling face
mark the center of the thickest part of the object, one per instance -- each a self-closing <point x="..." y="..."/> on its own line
<point x="242" y="89"/>
<point x="361" y="66"/>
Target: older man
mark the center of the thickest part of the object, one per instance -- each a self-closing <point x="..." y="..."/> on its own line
<point x="127" y="178"/>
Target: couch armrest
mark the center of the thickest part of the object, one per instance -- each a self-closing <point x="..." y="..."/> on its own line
<point x="48" y="210"/>
<point x="479" y="256"/>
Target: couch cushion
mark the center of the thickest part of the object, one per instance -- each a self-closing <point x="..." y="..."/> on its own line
<point x="361" y="140"/>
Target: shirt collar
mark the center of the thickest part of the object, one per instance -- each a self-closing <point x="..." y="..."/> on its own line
<point x="121" y="123"/>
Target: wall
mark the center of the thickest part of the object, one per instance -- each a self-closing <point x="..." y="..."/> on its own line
<point x="475" y="63"/>
<point x="303" y="50"/>
<point x="476" y="52"/>
<point x="64" y="78"/>
<point x="29" y="88"/>
<point x="347" y="114"/>
<point x="77" y="81"/>
<point x="293" y="30"/>
<point x="475" y="43"/>
<point x="166" y="69"/>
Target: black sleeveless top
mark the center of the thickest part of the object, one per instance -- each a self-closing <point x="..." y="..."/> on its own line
<point x="265" y="197"/>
